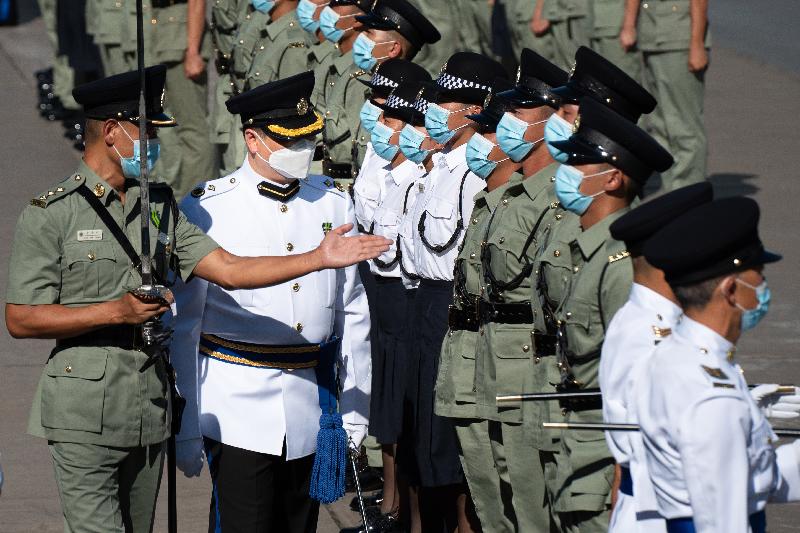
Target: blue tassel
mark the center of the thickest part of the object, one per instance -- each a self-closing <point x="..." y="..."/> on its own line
<point x="330" y="463"/>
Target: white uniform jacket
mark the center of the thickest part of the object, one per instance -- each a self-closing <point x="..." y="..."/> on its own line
<point x="369" y="187"/>
<point x="708" y="446"/>
<point x="398" y="199"/>
<point x="443" y="203"/>
<point x="257" y="408"/>
<point x="637" y="328"/>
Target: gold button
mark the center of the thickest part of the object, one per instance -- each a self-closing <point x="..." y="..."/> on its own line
<point x="78" y="178"/>
<point x="284" y="208"/>
<point x="557" y="253"/>
<point x="502" y="240"/>
<point x="172" y="19"/>
<point x="645" y="5"/>
<point x="552" y="179"/>
<point x="68" y="369"/>
<point x="261" y="47"/>
<point x="569" y="314"/>
<point x="537" y="360"/>
<point x="241" y="41"/>
<point x="674" y="8"/>
<point x="526" y="348"/>
<point x="474" y="220"/>
<point x="296" y="287"/>
<point x="289" y="247"/>
<point x="575" y="269"/>
<point x="332" y="83"/>
<point x="298" y="327"/>
<point x="564" y="412"/>
<point x="258" y="74"/>
<point x="472" y="255"/>
<point x="327" y="113"/>
<point x="362" y="137"/>
<point x="291" y="24"/>
<point x="91" y="256"/>
<point x="505" y="201"/>
<point x="248" y="16"/>
<point x="559" y="216"/>
<point x="553" y="205"/>
<point x="153" y="21"/>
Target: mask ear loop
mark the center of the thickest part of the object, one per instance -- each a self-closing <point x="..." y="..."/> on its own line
<point x="129" y="137"/>
<point x="258" y="155"/>
<point x="384" y="42"/>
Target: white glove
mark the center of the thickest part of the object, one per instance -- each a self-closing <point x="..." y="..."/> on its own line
<point x="190" y="456"/>
<point x="356" y="433"/>
<point x="774" y="404"/>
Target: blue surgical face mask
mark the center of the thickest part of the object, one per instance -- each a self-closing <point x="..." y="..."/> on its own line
<point x="362" y="52"/>
<point x="411" y="140"/>
<point x="478" y="150"/>
<point x="436" y="123"/>
<point x="130" y="165"/>
<point x="381" y="141"/>
<point x="511" y="136"/>
<point x="305" y="14"/>
<point x="369" y="115"/>
<point x="751" y="317"/>
<point x="327" y="23"/>
<point x="265" y="6"/>
<point x="557" y="129"/>
<point x="568" y="182"/>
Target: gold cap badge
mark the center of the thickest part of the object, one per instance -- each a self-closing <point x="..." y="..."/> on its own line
<point x="577" y="124"/>
<point x="99" y="190"/>
<point x="302" y="107"/>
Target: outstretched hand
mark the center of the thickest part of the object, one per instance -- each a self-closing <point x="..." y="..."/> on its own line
<point x="337" y="250"/>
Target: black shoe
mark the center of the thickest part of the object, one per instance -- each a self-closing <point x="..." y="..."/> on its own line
<point x="382" y="523"/>
<point x="369" y="501"/>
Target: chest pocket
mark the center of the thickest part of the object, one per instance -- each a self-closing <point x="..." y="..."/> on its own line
<point x="762" y="456"/>
<point x="607" y="15"/>
<point x="243" y="48"/>
<point x="439" y="224"/>
<point x="505" y="261"/>
<point x="224" y="16"/>
<point x="90" y="269"/>
<point x="583" y="328"/>
<point x="325" y="282"/>
<point x="258" y="298"/>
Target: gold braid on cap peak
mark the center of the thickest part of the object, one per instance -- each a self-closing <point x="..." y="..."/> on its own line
<point x="296" y="132"/>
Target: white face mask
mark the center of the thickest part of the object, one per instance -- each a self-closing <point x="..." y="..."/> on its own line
<point x="293" y="162"/>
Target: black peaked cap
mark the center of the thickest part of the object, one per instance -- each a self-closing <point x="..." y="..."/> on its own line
<point x="597" y="77"/>
<point x="713" y="239"/>
<point x="364" y="5"/>
<point x="391" y="73"/>
<point x="494" y="107"/>
<point x="117" y="97"/>
<point x="602" y="136"/>
<point x="536" y="79"/>
<point x="281" y="107"/>
<point x="401" y="16"/>
<point x="428" y="94"/>
<point x="638" y="225"/>
<point x="468" y="77"/>
<point x="400" y="103"/>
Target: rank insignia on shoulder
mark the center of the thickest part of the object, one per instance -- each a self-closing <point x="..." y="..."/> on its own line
<point x="660" y="333"/>
<point x="339" y="186"/>
<point x="197" y="192"/>
<point x="328" y="183"/>
<point x="39" y="203"/>
<point x="619" y="255"/>
<point x="326" y="227"/>
<point x="714" y="372"/>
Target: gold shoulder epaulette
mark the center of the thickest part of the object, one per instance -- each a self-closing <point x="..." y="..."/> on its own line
<point x="63" y="188"/>
<point x="358" y="73"/>
<point x="297" y="44"/>
<point x="619" y="255"/>
<point x="715" y="373"/>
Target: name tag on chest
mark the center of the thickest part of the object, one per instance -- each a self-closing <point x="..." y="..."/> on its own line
<point x="90" y="235"/>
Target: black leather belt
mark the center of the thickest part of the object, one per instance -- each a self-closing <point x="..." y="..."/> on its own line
<point x="337" y="171"/>
<point x="506" y="313"/>
<point x="166" y="3"/>
<point x="125" y="337"/>
<point x="461" y="319"/>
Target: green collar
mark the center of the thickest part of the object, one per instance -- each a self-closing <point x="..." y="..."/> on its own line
<point x="592" y="239"/>
<point x="493" y="198"/>
<point x="538" y="182"/>
<point x="275" y="28"/>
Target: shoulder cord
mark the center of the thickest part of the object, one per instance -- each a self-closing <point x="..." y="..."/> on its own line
<point x="439" y="248"/>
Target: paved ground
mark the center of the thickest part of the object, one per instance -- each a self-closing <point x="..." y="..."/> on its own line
<point x="753" y="99"/>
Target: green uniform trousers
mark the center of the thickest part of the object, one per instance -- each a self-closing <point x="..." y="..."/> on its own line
<point x="568" y="35"/>
<point x="484" y="463"/>
<point x="187" y="157"/>
<point x="107" y="490"/>
<point x="677" y="121"/>
<point x="611" y="49"/>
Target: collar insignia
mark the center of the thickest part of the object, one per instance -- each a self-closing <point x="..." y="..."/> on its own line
<point x="577" y="124"/>
<point x="99" y="190"/>
<point x="326" y="227"/>
<point x="660" y="333"/>
<point x="487" y="99"/>
<point x="276" y="192"/>
<point x="714" y="372"/>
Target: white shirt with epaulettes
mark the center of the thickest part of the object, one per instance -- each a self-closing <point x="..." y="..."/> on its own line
<point x="707" y="444"/>
<point x="258" y="408"/>
<point x="447" y="198"/>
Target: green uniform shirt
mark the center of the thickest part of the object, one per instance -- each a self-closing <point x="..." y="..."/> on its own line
<point x="343" y="96"/>
<point x="506" y="352"/>
<point x="63" y="254"/>
<point x="127" y="30"/>
<point x="320" y="59"/>
<point x="601" y="283"/>
<point x="456" y="383"/>
<point x="666" y="26"/>
<point x="247" y="36"/>
<point x="105" y="29"/>
<point x="279" y="53"/>
<point x="557" y="10"/>
<point x="225" y="17"/>
<point x="607" y="18"/>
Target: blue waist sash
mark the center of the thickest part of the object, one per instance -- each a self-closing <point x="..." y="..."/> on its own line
<point x="758" y="524"/>
<point x="330" y="461"/>
<point x="626" y="481"/>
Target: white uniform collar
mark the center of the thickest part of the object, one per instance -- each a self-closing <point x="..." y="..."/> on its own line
<point x="647" y="298"/>
<point x="455" y="157"/>
<point x="249" y="175"/>
<point x="405" y="170"/>
<point x="706" y="339"/>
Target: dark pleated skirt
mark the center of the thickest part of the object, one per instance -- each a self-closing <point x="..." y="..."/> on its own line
<point x="390" y="358"/>
<point x="430" y="439"/>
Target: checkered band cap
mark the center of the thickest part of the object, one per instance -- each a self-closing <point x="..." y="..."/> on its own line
<point x="396" y="102"/>
<point x="382" y="81"/>
<point x="448" y="81"/>
<point x="421" y="105"/>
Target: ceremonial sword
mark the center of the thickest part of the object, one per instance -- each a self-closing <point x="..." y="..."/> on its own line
<point x="594" y="393"/>
<point x="611" y="426"/>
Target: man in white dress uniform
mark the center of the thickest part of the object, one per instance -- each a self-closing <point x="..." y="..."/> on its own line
<point x="248" y="360"/>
